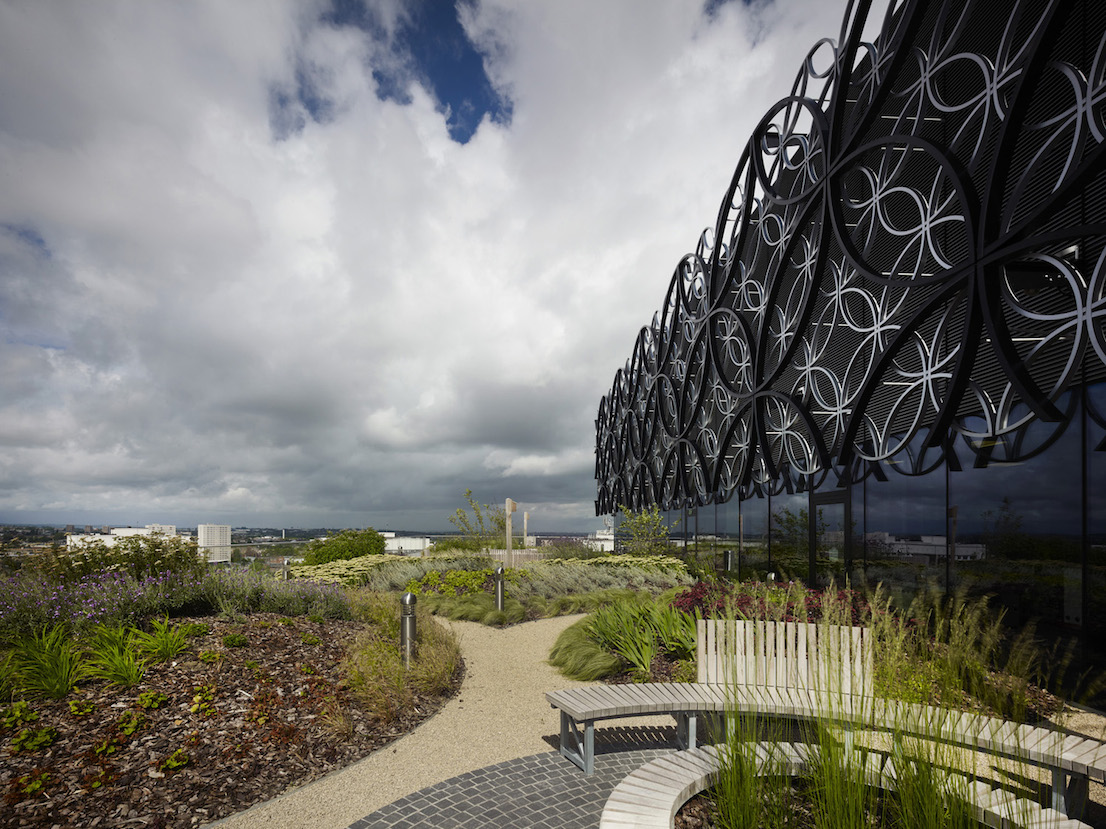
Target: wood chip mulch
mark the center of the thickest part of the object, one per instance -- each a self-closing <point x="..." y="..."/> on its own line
<point x="237" y="726"/>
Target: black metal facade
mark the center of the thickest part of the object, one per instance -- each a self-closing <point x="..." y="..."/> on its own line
<point x="909" y="259"/>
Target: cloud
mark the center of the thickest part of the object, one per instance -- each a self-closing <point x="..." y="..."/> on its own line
<point x="237" y="283"/>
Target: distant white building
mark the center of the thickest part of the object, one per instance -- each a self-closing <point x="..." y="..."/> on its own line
<point x="928" y="548"/>
<point x="404" y="545"/>
<point x="214" y="542"/>
<point x="73" y="540"/>
<point x="601" y="541"/>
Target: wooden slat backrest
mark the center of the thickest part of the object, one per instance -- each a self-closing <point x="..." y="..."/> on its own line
<point x="795" y="655"/>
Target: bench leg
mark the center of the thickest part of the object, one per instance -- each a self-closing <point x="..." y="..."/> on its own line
<point x="1069" y="794"/>
<point x="687" y="726"/>
<point x="580" y="749"/>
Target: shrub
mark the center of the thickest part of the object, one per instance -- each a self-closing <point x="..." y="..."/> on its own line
<point x="28" y="602"/>
<point x="386" y="572"/>
<point x="786" y="602"/>
<point x="136" y="556"/>
<point x="343" y="546"/>
<point x="245" y="591"/>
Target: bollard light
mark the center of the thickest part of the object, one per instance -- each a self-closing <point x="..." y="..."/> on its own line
<point x="727" y="561"/>
<point x="407" y="629"/>
<point x="499" y="578"/>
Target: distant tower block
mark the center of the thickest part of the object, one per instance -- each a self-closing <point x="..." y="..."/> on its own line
<point x="214" y="542"/>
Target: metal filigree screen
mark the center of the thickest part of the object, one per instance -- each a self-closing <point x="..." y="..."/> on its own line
<point x="911" y="255"/>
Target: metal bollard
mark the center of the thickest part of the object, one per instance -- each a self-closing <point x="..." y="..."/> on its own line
<point x="407" y="627"/>
<point x="499" y="573"/>
<point x="727" y="561"/>
<point x="771" y="578"/>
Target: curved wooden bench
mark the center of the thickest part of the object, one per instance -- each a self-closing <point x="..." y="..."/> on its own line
<point x="801" y="671"/>
<point x="1073" y="759"/>
<point x="650" y="796"/>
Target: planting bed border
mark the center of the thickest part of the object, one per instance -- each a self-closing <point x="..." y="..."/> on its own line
<point x="650" y="796"/>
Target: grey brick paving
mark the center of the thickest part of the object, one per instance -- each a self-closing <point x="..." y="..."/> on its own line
<point x="543" y="791"/>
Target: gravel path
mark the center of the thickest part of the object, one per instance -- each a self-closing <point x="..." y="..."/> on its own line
<point x="500" y="714"/>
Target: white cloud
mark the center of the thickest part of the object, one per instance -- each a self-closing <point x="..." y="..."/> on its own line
<point x="364" y="315"/>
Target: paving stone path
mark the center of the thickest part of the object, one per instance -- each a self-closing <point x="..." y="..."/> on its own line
<point x="543" y="791"/>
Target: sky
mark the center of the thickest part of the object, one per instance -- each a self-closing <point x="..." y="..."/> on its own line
<point x="306" y="264"/>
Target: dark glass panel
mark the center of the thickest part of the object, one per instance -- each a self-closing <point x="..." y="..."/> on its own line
<point x="789" y="536"/>
<point x="1018" y="505"/>
<point x="1094" y="617"/>
<point x="900" y="525"/>
<point x="753" y="538"/>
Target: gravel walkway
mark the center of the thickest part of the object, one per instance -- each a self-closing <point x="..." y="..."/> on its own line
<point x="500" y="714"/>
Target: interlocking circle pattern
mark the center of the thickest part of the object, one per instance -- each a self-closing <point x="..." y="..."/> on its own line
<point x="910" y="258"/>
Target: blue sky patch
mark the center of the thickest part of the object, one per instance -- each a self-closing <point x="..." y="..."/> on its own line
<point x="434" y="50"/>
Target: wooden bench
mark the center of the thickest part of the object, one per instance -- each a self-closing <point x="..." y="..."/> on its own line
<point x="650" y="796"/>
<point x="731" y="653"/>
<point x="778" y="690"/>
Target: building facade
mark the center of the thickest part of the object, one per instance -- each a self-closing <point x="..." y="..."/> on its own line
<point x="214" y="542"/>
<point x="897" y="325"/>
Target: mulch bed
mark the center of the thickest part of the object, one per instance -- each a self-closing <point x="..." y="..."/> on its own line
<point x="252" y="721"/>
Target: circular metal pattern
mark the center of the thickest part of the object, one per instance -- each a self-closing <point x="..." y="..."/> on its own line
<point x="910" y="256"/>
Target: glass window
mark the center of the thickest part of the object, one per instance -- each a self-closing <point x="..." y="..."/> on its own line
<point x="1018" y="517"/>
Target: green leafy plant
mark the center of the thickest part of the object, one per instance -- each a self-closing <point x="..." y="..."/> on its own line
<point x="164" y="642"/>
<point x="103" y="776"/>
<point x="485" y="529"/>
<point x="81" y="707"/>
<point x="626" y="628"/>
<point x="31" y="784"/>
<point x="130" y="721"/>
<point x="202" y="698"/>
<point x="177" y="760"/>
<point x="9" y="675"/>
<point x="285" y="621"/>
<point x="151" y="699"/>
<point x="235" y="640"/>
<point x="17" y="714"/>
<point x="644" y="532"/>
<point x="675" y="631"/>
<point x="109" y="745"/>
<point x="48" y="663"/>
<point x="455" y="582"/>
<point x="28" y="740"/>
<point x="115" y="656"/>
<point x="210" y="657"/>
<point x="194" y="630"/>
<point x="310" y="639"/>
